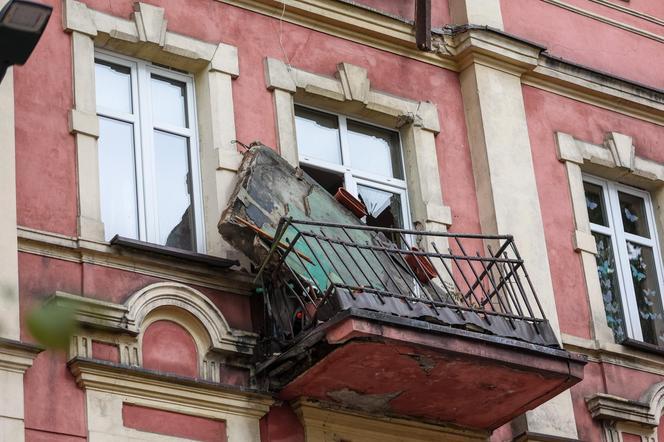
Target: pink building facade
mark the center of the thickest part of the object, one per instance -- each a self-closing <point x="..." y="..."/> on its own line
<point x="539" y="119"/>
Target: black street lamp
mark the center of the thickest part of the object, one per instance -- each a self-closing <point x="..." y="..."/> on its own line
<point x="22" y="23"/>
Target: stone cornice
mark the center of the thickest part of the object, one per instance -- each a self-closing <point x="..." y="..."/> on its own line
<point x="139" y="383"/>
<point x="494" y="48"/>
<point x="608" y="407"/>
<point x="17" y="356"/>
<point x="503" y="51"/>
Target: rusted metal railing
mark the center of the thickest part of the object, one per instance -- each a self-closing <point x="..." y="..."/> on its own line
<point x="314" y="269"/>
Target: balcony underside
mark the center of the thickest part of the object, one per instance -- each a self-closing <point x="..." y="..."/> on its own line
<point x="380" y="363"/>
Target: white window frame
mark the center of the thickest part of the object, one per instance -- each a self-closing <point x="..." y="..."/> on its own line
<point x="144" y="125"/>
<point x="353" y="176"/>
<point x="619" y="240"/>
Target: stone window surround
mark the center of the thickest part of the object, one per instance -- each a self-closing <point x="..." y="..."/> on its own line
<point x="615" y="160"/>
<point x="350" y="94"/>
<point x="619" y="415"/>
<point x="145" y="36"/>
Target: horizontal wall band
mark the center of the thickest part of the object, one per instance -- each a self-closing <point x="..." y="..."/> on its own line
<point x="71" y="249"/>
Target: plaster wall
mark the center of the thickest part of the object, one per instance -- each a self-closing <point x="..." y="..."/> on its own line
<point x="546" y="114"/>
<point x="587" y="41"/>
<point x="440" y="12"/>
<point x="256" y="37"/>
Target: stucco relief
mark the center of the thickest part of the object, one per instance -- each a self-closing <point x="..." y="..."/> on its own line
<point x="124" y="327"/>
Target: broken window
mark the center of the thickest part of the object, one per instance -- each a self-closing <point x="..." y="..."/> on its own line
<point x="149" y="180"/>
<point x="366" y="160"/>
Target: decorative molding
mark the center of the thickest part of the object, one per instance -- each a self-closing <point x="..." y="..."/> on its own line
<point x="351" y="85"/>
<point x="615" y="159"/>
<point x="617" y="153"/>
<point x="109" y="386"/>
<point x="222" y="337"/>
<point x="616" y="354"/>
<point x="77" y="250"/>
<point x="351" y="22"/>
<point x="150" y="23"/>
<point x="94" y="313"/>
<point x="140" y="383"/>
<point x="609" y="21"/>
<point x="598" y="89"/>
<point x="326" y="424"/>
<point x="608" y="407"/>
<point x="494" y="49"/>
<point x="619" y="415"/>
<point x="355" y="23"/>
<point x="145" y="35"/>
<point x="352" y="89"/>
<point x="17" y="356"/>
<point x="630" y="11"/>
<point x="130" y="317"/>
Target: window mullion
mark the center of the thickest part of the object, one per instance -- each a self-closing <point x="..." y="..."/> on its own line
<point x="194" y="168"/>
<point x="138" y="149"/>
<point x="343" y="138"/>
<point x="148" y="173"/>
<point x="620" y="243"/>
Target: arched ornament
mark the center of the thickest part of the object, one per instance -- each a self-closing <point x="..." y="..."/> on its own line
<point x="169" y="295"/>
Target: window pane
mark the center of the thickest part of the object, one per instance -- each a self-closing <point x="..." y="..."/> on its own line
<point x="174" y="190"/>
<point x="648" y="297"/>
<point x="169" y="101"/>
<point x="608" y="281"/>
<point x="331" y="181"/>
<point x="632" y="210"/>
<point x="113" y="86"/>
<point x="374" y="150"/>
<point x="384" y="207"/>
<point x="595" y="204"/>
<point x="117" y="178"/>
<point x="317" y="135"/>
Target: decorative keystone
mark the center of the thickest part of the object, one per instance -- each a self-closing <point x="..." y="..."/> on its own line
<point x="622" y="149"/>
<point x="354" y="81"/>
<point x="150" y="23"/>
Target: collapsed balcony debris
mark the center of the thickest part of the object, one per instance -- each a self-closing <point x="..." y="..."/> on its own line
<point x="317" y="258"/>
<point x="376" y="319"/>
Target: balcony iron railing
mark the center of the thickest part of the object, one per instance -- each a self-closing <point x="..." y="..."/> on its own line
<point x="313" y="270"/>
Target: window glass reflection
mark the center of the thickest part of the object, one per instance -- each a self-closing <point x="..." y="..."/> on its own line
<point x="169" y="101"/>
<point x="646" y="287"/>
<point x="113" y="86"/>
<point x="117" y="178"/>
<point x="374" y="150"/>
<point x="174" y="189"/>
<point x="318" y="135"/>
<point x="633" y="213"/>
<point x="608" y="281"/>
<point x="595" y="204"/>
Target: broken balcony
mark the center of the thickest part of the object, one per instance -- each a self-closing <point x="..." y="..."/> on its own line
<point x="427" y="325"/>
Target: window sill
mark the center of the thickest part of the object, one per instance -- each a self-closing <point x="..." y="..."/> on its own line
<point x="643" y="346"/>
<point x="172" y="252"/>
